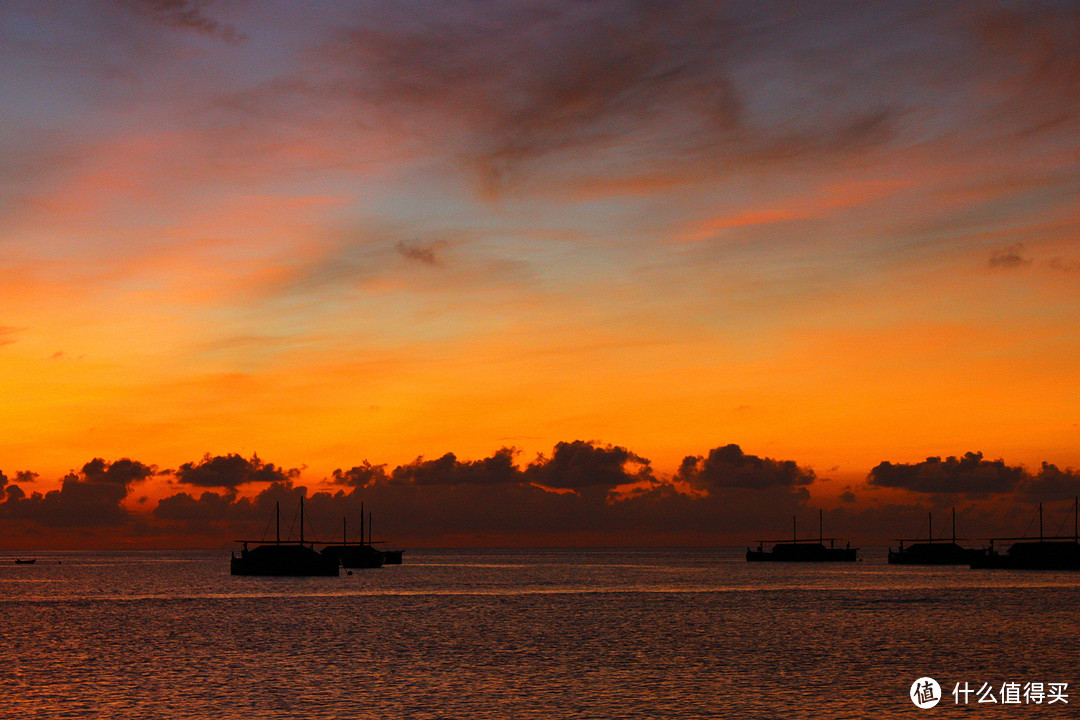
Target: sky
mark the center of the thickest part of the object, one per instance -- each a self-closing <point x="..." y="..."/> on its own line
<point x="581" y="249"/>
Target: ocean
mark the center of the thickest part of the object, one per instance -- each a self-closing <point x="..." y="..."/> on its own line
<point x="476" y="634"/>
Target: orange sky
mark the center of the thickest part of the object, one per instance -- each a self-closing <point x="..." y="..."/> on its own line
<point x="841" y="236"/>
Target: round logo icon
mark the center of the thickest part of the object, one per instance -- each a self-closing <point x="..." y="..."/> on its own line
<point x="925" y="693"/>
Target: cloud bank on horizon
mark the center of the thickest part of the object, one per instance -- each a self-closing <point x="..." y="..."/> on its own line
<point x="585" y="492"/>
<point x="831" y="231"/>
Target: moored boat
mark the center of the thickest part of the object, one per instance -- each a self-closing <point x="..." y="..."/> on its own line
<point x="1055" y="552"/>
<point x="289" y="558"/>
<point x="355" y="555"/>
<point x="934" y="551"/>
<point x="806" y="550"/>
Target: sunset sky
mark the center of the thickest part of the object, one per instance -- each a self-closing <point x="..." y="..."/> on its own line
<point x="326" y="233"/>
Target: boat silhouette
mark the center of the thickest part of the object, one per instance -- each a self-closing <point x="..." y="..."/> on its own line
<point x="933" y="551"/>
<point x="1055" y="552"/>
<point x="355" y="555"/>
<point x="289" y="558"/>
<point x="806" y="550"/>
<point x="25" y="561"/>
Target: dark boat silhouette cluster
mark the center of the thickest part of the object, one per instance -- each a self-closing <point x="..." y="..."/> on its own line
<point x="1053" y="552"/>
<point x="1057" y="552"/>
<point x="298" y="558"/>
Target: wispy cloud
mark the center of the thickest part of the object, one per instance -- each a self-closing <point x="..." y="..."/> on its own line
<point x="420" y="253"/>
<point x="183" y="15"/>
<point x="1010" y="258"/>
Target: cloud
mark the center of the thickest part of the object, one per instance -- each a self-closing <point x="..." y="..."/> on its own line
<point x="230" y="510"/>
<point x="631" y="83"/>
<point x="419" y="253"/>
<point x="1039" y="45"/>
<point x="361" y="475"/>
<point x="1053" y="483"/>
<point x="584" y="493"/>
<point x="581" y="465"/>
<point x="122" y="472"/>
<point x="1010" y="258"/>
<point x="730" y="467"/>
<point x="183" y="15"/>
<point x="499" y="469"/>
<point x="208" y="507"/>
<point x="1065" y="266"/>
<point x="970" y="474"/>
<point x="87" y="498"/>
<point x="231" y="471"/>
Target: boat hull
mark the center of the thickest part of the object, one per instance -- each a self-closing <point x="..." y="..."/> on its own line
<point x="355" y="556"/>
<point x="934" y="554"/>
<point x="283" y="561"/>
<point x="1032" y="556"/>
<point x="799" y="552"/>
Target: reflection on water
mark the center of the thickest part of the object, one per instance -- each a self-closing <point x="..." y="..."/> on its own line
<point x="523" y="634"/>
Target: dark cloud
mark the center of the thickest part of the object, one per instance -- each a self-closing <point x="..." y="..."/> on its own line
<point x="122" y="472"/>
<point x="208" y="507"/>
<point x="729" y="466"/>
<point x="87" y="498"/>
<point x="581" y="465"/>
<point x="420" y="253"/>
<point x="1010" y="258"/>
<point x="1053" y="483"/>
<point x="584" y="493"/>
<point x="229" y="509"/>
<point x="26" y="476"/>
<point x="970" y="474"/>
<point x="1065" y="266"/>
<point x="231" y="471"/>
<point x="499" y="469"/>
<point x="360" y="475"/>
<point x="183" y="15"/>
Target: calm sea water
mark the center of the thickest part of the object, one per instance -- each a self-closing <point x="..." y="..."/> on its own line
<point x="526" y="634"/>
